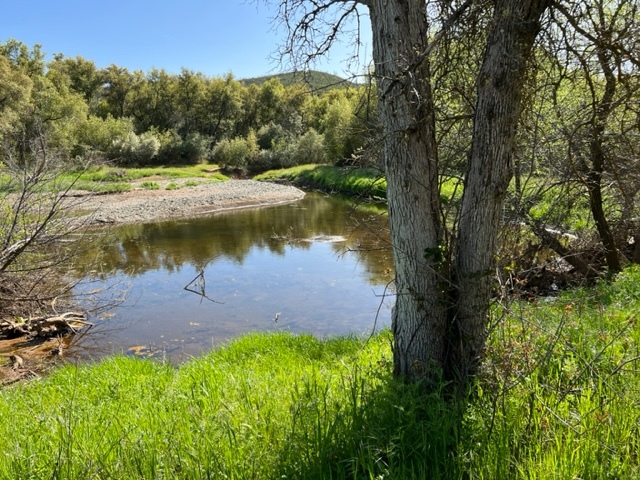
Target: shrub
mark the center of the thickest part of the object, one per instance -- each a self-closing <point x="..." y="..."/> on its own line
<point x="136" y="149"/>
<point x="236" y="153"/>
<point x="98" y="135"/>
<point x="310" y="148"/>
<point x="193" y="149"/>
<point x="270" y="135"/>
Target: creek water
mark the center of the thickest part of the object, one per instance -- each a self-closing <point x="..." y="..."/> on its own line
<point x="317" y="266"/>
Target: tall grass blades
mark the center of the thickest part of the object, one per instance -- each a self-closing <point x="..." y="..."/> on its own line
<point x="559" y="397"/>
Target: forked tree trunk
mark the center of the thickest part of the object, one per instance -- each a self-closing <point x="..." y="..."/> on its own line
<point x="411" y="164"/>
<point x="435" y="329"/>
<point x="509" y="45"/>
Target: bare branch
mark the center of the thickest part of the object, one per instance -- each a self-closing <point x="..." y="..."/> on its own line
<point x="314" y="27"/>
<point x="607" y="41"/>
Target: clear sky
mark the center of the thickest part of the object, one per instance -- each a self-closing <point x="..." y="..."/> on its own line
<point x="214" y="37"/>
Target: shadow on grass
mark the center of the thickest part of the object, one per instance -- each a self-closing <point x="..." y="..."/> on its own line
<point x="395" y="430"/>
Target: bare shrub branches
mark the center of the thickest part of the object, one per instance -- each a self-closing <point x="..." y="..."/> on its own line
<point x="37" y="238"/>
<point x="313" y="28"/>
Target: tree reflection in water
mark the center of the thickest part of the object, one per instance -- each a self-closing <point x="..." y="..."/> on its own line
<point x="320" y="263"/>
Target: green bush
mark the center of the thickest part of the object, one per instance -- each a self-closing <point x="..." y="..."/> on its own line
<point x="270" y="135"/>
<point x="193" y="149"/>
<point x="309" y="148"/>
<point x="98" y="135"/>
<point x="136" y="149"/>
<point x="236" y="153"/>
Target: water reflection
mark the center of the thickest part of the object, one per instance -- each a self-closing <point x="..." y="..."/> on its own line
<point x="317" y="266"/>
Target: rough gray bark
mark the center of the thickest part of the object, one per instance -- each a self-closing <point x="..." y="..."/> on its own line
<point x="440" y="315"/>
<point x="438" y="324"/>
<point x="509" y="45"/>
<point x="411" y="164"/>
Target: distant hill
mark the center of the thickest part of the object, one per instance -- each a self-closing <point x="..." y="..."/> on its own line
<point x="314" y="79"/>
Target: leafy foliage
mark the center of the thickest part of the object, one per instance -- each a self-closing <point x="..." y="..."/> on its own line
<point x="157" y="118"/>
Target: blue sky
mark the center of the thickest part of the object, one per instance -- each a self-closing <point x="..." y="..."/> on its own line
<point x="214" y="37"/>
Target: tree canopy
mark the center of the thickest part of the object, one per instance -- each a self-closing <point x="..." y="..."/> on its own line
<point x="134" y="118"/>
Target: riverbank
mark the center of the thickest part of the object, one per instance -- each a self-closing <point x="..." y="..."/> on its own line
<point x="558" y="398"/>
<point x="151" y="201"/>
<point x="148" y="199"/>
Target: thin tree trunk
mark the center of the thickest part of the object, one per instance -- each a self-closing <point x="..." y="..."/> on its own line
<point x="489" y="170"/>
<point x="411" y="164"/>
<point x="594" y="176"/>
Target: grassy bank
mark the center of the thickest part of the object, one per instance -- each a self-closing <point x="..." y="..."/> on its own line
<point x="366" y="182"/>
<point x="359" y="182"/>
<point x="559" y="398"/>
<point x="109" y="179"/>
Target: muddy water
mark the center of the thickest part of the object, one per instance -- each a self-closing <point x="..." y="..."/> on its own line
<point x="316" y="266"/>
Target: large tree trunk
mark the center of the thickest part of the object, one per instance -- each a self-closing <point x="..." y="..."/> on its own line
<point x="509" y="45"/>
<point x="411" y="164"/>
<point x="434" y="329"/>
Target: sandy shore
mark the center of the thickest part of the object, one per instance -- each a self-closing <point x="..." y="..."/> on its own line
<point x="143" y="205"/>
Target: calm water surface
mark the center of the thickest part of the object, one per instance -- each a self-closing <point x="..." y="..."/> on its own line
<point x="316" y="266"/>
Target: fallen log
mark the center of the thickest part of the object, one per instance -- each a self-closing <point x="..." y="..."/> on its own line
<point x="59" y="325"/>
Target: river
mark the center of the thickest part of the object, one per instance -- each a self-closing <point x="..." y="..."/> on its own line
<point x="317" y="266"/>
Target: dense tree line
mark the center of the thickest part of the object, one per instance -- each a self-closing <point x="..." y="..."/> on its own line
<point x="138" y="118"/>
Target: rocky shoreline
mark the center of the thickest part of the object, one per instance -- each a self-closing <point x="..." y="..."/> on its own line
<point x="143" y="205"/>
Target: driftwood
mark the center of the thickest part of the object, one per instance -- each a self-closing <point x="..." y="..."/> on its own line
<point x="45" y="327"/>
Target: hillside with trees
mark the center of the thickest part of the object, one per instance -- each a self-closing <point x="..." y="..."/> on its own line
<point x="314" y="79"/>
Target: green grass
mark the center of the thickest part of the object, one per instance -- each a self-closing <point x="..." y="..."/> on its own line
<point x="105" y="179"/>
<point x="150" y="185"/>
<point x="561" y="205"/>
<point x="112" y="180"/>
<point x="367" y="182"/>
<point x="109" y="174"/>
<point x="559" y="398"/>
<point x="363" y="182"/>
<point x="568" y="370"/>
<point x="188" y="183"/>
<point x="5" y="183"/>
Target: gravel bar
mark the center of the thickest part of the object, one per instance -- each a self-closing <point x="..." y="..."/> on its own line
<point x="142" y="205"/>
